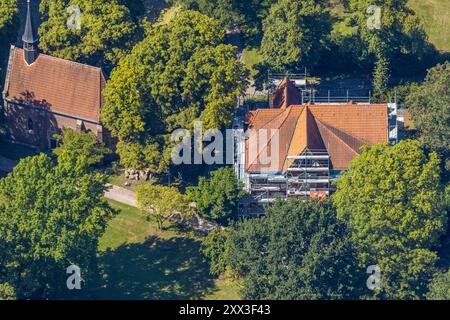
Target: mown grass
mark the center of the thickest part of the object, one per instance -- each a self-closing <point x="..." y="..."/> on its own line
<point x="137" y="261"/>
<point x="435" y="15"/>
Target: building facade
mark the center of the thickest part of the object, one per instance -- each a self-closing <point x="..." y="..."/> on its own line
<point x="291" y="149"/>
<point x="43" y="95"/>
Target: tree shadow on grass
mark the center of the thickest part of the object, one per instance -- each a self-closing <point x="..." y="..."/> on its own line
<point x="155" y="270"/>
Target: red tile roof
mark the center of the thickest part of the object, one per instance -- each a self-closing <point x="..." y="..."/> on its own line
<point x="341" y="129"/>
<point x="60" y="85"/>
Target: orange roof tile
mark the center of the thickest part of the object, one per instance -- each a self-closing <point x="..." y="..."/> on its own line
<point x="60" y="85"/>
<point x="341" y="129"/>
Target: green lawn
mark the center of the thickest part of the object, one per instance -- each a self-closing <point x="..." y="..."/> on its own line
<point x="436" y="17"/>
<point x="137" y="261"/>
<point x="15" y="151"/>
<point x="251" y="57"/>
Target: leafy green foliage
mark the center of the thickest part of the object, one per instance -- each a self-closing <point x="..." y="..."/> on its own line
<point x="79" y="148"/>
<point x="161" y="203"/>
<point x="429" y="104"/>
<point x="400" y="41"/>
<point x="217" y="198"/>
<point x="298" y="251"/>
<point x="7" y="292"/>
<point x="247" y="14"/>
<point x="51" y="217"/>
<point x="440" y="287"/>
<point x="380" y="78"/>
<point x="180" y="73"/>
<point x="293" y="34"/>
<point x="224" y="11"/>
<point x="108" y="31"/>
<point x="8" y="11"/>
<point x="392" y="202"/>
<point x="215" y="248"/>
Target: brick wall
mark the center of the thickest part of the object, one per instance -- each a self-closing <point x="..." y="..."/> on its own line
<point x="20" y="118"/>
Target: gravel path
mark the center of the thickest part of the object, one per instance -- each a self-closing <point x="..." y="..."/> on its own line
<point x="121" y="195"/>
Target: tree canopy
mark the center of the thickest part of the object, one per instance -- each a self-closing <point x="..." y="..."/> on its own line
<point x="439" y="288"/>
<point x="80" y="148"/>
<point x="107" y="31"/>
<point x="299" y="251"/>
<point x="429" y="104"/>
<point x="293" y="34"/>
<point x="8" y="11"/>
<point x="376" y="44"/>
<point x="51" y="217"/>
<point x="215" y="248"/>
<point x="181" y="72"/>
<point x="248" y="15"/>
<point x="161" y="203"/>
<point x="217" y="198"/>
<point x="224" y="11"/>
<point x="391" y="198"/>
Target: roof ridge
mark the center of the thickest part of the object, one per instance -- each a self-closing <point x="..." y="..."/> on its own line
<point x="328" y="126"/>
<point x="282" y="111"/>
<point x="271" y="137"/>
<point x="69" y="61"/>
<point x="68" y="87"/>
<point x="292" y="137"/>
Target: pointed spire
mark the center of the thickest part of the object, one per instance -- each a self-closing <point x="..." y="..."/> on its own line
<point x="29" y="38"/>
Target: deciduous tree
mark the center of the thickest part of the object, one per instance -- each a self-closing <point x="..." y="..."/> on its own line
<point x="80" y="148"/>
<point x="248" y="15"/>
<point x="51" y="217"/>
<point x="106" y="33"/>
<point x="180" y="73"/>
<point x="439" y="288"/>
<point x="391" y="198"/>
<point x="216" y="249"/>
<point x="429" y="104"/>
<point x="294" y="32"/>
<point x="379" y="32"/>
<point x="217" y="197"/>
<point x="299" y="251"/>
<point x="161" y="203"/>
<point x="8" y="11"/>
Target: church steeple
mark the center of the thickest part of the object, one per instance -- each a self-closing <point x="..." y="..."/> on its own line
<point x="29" y="39"/>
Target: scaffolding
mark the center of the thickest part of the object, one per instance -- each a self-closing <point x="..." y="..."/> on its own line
<point x="311" y="91"/>
<point x="307" y="178"/>
<point x="309" y="175"/>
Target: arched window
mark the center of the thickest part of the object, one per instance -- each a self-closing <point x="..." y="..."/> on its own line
<point x="30" y="124"/>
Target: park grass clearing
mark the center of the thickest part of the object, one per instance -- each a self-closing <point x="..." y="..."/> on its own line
<point x="435" y="15"/>
<point x="251" y="57"/>
<point x="137" y="261"/>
